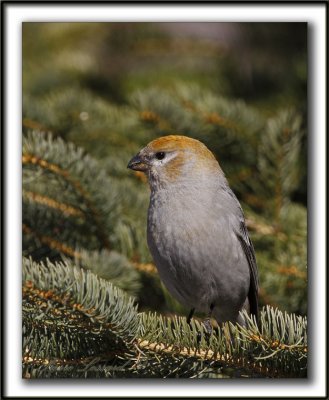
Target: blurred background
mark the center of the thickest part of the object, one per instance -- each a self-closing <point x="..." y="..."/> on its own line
<point x="110" y="88"/>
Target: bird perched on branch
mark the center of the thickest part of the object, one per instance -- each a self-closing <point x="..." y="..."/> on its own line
<point x="196" y="230"/>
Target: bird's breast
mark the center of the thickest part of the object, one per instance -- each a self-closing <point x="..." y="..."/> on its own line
<point x="174" y="222"/>
<point x="195" y="249"/>
<point x="184" y="239"/>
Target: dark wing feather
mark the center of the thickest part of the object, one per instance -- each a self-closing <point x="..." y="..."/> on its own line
<point x="248" y="248"/>
<point x="249" y="251"/>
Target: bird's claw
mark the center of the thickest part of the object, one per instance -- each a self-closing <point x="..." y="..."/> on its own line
<point x="208" y="327"/>
<point x="208" y="331"/>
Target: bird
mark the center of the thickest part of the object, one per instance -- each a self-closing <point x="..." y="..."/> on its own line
<point x="196" y="230"/>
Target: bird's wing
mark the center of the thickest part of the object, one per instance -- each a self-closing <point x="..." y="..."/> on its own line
<point x="248" y="248"/>
<point x="249" y="251"/>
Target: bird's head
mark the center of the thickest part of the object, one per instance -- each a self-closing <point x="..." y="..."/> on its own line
<point x="175" y="158"/>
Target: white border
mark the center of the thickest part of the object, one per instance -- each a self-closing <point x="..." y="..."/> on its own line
<point x="15" y="15"/>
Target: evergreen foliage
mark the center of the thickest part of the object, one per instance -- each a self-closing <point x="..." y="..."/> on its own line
<point x="79" y="325"/>
<point x="93" y="305"/>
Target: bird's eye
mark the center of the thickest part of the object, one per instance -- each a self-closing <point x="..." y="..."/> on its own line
<point x="160" y="155"/>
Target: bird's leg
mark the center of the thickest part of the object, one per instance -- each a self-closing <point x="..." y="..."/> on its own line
<point x="207" y="323"/>
<point x="189" y="322"/>
<point x="190" y="316"/>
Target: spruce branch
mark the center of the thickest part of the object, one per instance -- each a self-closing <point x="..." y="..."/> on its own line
<point x="72" y="317"/>
<point x="44" y="149"/>
<point x="49" y="202"/>
<point x="69" y="313"/>
<point x="281" y="341"/>
<point x="278" y="156"/>
<point x="110" y="265"/>
<point x="51" y="242"/>
<point x="194" y="111"/>
<point x="70" y="201"/>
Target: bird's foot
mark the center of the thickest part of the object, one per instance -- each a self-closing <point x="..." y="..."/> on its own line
<point x="208" y="331"/>
<point x="208" y="327"/>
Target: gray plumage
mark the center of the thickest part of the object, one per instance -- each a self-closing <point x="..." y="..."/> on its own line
<point x="196" y="230"/>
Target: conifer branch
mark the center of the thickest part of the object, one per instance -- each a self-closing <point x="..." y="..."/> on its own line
<point x="51" y="242"/>
<point x="53" y="168"/>
<point x="148" y="268"/>
<point x="92" y="316"/>
<point x="49" y="202"/>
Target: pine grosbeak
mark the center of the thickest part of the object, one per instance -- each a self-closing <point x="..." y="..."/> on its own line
<point x="196" y="230"/>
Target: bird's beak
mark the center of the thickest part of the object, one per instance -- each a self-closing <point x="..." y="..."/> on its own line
<point x="138" y="163"/>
